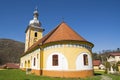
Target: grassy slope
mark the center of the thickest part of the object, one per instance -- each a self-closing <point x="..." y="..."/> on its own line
<point x="20" y="75"/>
<point x="10" y="51"/>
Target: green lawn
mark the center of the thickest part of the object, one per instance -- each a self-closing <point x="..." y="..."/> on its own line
<point x="14" y="74"/>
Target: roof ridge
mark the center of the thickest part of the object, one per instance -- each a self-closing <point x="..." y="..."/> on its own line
<point x="49" y="34"/>
<point x="75" y="32"/>
<point x="73" y="35"/>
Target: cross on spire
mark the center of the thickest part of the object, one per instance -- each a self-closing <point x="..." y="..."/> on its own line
<point x="36" y="14"/>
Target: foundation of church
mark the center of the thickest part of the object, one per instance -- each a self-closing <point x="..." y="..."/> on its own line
<point x="69" y="74"/>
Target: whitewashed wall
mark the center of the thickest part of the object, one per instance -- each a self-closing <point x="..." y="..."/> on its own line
<point x="62" y="62"/>
<point x="31" y="57"/>
<point x="80" y="64"/>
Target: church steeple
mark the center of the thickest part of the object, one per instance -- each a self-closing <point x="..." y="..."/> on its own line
<point x="36" y="14"/>
<point x="35" y="21"/>
<point x="34" y="31"/>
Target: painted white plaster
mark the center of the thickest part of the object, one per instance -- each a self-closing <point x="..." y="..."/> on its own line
<point x="113" y="59"/>
<point x="80" y="64"/>
<point x="62" y="62"/>
<point x="31" y="57"/>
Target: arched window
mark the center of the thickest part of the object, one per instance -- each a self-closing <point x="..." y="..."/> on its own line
<point x="29" y="63"/>
<point x="85" y="59"/>
<point x="25" y="64"/>
<point x="34" y="62"/>
<point x="55" y="60"/>
<point x="35" y="34"/>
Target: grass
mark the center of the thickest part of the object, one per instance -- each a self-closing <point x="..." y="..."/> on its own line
<point x="15" y="74"/>
<point x="114" y="77"/>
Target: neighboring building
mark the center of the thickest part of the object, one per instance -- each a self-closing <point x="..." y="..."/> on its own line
<point x="113" y="58"/>
<point x="10" y="66"/>
<point x="97" y="65"/>
<point x="60" y="53"/>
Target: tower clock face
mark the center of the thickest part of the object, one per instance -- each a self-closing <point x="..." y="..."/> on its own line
<point x="35" y="40"/>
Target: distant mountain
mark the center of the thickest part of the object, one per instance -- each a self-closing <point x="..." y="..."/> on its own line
<point x="10" y="51"/>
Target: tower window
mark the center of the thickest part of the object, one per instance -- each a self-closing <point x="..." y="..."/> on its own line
<point x="55" y="60"/>
<point x="35" y="34"/>
<point x="85" y="59"/>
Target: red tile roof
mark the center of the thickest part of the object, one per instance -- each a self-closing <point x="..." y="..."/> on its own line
<point x="115" y="54"/>
<point x="61" y="33"/>
<point x="12" y="65"/>
<point x="64" y="32"/>
<point x="96" y="62"/>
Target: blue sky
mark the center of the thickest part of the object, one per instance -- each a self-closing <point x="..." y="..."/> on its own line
<point x="98" y="21"/>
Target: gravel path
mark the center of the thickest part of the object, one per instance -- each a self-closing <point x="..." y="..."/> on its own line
<point x="105" y="77"/>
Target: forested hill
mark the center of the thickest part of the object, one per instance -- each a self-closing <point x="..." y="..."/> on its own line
<point x="10" y="51"/>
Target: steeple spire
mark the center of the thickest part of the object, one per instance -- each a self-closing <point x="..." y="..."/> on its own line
<point x="35" y="21"/>
<point x="36" y="14"/>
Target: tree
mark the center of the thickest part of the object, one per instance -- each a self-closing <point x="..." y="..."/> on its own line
<point x="107" y="65"/>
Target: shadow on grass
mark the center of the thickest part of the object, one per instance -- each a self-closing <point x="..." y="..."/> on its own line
<point x="26" y="79"/>
<point x="97" y="74"/>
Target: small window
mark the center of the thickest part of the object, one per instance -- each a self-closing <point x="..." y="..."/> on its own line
<point x="25" y="64"/>
<point x="34" y="62"/>
<point x="35" y="34"/>
<point x="85" y="59"/>
<point x="35" y="40"/>
<point x="55" y="60"/>
<point x="28" y="63"/>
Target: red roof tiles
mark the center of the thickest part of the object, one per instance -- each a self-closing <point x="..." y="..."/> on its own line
<point x="11" y="65"/>
<point x="96" y="62"/>
<point x="115" y="54"/>
<point x="64" y="32"/>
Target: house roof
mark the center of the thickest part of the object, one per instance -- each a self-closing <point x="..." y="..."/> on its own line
<point x="12" y="65"/>
<point x="61" y="33"/>
<point x="96" y="62"/>
<point x="115" y="54"/>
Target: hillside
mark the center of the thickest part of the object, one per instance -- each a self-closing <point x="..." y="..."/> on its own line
<point x="10" y="50"/>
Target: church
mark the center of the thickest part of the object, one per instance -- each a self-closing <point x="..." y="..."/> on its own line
<point x="60" y="53"/>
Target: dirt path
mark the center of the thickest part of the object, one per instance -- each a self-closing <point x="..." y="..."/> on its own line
<point x="105" y="77"/>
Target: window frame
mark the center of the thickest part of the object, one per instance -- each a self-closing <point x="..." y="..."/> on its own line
<point x="25" y="64"/>
<point x="55" y="60"/>
<point x="34" y="61"/>
<point x="85" y="59"/>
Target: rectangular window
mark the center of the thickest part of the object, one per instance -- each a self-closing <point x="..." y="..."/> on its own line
<point x="55" y="60"/>
<point x="34" y="62"/>
<point x="85" y="57"/>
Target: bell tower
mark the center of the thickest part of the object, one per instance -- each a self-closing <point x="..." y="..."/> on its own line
<point x="34" y="31"/>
